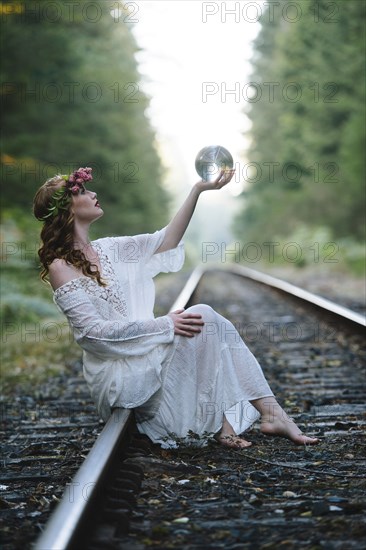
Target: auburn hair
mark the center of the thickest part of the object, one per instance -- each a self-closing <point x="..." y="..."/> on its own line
<point x="57" y="234"/>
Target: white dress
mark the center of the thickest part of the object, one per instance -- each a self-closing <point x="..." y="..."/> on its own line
<point x="176" y="384"/>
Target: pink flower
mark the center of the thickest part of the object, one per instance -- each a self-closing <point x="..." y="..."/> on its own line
<point x="79" y="176"/>
<point x="75" y="189"/>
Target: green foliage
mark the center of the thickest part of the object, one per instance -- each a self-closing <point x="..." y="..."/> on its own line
<point x="313" y="126"/>
<point x="19" y="308"/>
<point x="36" y="339"/>
<point x="315" y="246"/>
<point x="33" y="352"/>
<point x="72" y="97"/>
<point x="191" y="440"/>
<point x="23" y="297"/>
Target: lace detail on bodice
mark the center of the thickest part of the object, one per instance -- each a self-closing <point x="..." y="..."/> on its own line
<point x="112" y="293"/>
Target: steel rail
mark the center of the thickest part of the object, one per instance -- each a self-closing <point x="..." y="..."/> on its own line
<point x="69" y="520"/>
<point x="188" y="290"/>
<point x="63" y="530"/>
<point x="322" y="303"/>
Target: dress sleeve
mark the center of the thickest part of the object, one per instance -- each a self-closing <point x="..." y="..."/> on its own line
<point x="166" y="262"/>
<point x="141" y="249"/>
<point x="111" y="339"/>
<point x="136" y="249"/>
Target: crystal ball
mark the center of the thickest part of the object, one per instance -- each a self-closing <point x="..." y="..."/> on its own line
<point x="211" y="160"/>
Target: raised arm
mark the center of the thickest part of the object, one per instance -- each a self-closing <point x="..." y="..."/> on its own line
<point x="178" y="225"/>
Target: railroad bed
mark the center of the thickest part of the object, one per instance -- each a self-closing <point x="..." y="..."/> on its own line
<point x="272" y="495"/>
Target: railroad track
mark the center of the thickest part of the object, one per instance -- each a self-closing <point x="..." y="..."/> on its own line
<point x="311" y="353"/>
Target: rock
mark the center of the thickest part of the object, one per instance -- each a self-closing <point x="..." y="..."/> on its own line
<point x="181" y="520"/>
<point x="289" y="494"/>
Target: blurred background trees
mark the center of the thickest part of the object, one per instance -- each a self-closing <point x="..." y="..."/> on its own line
<point x="308" y="127"/>
<point x="71" y="97"/>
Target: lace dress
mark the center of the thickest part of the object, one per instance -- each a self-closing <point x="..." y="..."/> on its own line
<point x="131" y="359"/>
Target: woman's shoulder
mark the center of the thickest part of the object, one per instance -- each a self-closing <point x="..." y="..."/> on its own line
<point x="119" y="249"/>
<point x="111" y="241"/>
<point x="61" y="272"/>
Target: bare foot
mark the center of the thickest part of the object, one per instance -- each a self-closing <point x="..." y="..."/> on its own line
<point x="284" y="426"/>
<point x="227" y="437"/>
<point x="232" y="440"/>
<point x="274" y="421"/>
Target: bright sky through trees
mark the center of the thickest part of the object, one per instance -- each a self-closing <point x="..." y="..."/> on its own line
<point x="189" y="54"/>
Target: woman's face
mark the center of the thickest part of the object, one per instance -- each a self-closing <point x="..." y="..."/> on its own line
<point x="86" y="206"/>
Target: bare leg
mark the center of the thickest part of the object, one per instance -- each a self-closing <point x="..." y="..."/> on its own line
<point x="227" y="437"/>
<point x="274" y="421"/>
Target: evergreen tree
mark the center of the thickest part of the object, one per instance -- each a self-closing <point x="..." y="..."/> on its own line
<point x="308" y="137"/>
<point x="71" y="96"/>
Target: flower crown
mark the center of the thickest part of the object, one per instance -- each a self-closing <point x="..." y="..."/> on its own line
<point x="60" y="200"/>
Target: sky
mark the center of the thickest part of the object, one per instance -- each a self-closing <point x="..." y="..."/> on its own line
<point x="192" y="54"/>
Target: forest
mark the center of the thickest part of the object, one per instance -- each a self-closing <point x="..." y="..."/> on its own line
<point x="72" y="95"/>
<point x="306" y="169"/>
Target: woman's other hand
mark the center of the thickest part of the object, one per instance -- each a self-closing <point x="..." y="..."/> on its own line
<point x="186" y="324"/>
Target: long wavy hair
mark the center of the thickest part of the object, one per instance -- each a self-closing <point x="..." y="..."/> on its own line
<point x="57" y="235"/>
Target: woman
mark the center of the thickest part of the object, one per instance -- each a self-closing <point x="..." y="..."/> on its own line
<point x="187" y="371"/>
